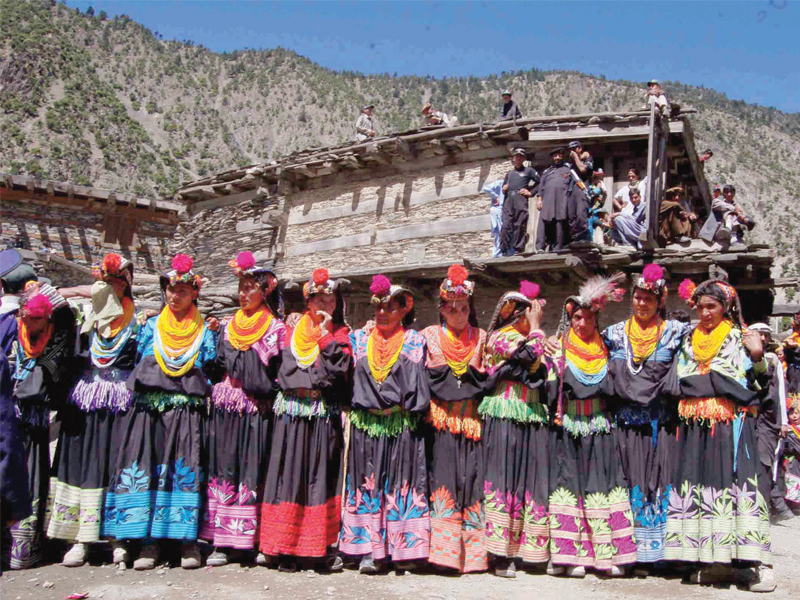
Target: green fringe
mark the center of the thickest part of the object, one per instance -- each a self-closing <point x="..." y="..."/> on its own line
<point x="384" y="425"/>
<point x="513" y="410"/>
<point x="163" y="401"/>
<point x="583" y="426"/>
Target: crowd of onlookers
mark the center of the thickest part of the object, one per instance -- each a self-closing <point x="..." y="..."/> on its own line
<point x="571" y="196"/>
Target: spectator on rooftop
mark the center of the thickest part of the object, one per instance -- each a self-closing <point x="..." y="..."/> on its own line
<point x="731" y="218"/>
<point x="622" y="197"/>
<point x="437" y="117"/>
<point x="628" y="224"/>
<point x="495" y="192"/>
<point x="675" y="219"/>
<point x="554" y="190"/>
<point x="365" y="125"/>
<point x="581" y="160"/>
<point x="656" y="96"/>
<point x="518" y="186"/>
<point x="510" y="109"/>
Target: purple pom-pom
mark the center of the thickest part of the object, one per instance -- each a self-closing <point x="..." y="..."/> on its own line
<point x="380" y="285"/>
<point x="652" y="273"/>
<point x="529" y="289"/>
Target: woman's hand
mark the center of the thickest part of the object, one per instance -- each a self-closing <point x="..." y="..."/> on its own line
<point x="326" y="320"/>
<point x="551" y="346"/>
<point x="752" y="343"/>
<point x="534" y="315"/>
<point x="293" y="319"/>
<point x="213" y="323"/>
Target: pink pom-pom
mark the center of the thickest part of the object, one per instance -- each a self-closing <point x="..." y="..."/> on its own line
<point x="39" y="306"/>
<point x="182" y="263"/>
<point x="320" y="276"/>
<point x="245" y="260"/>
<point x="652" y="273"/>
<point x="380" y="285"/>
<point x="686" y="289"/>
<point x="457" y="274"/>
<point x="529" y="289"/>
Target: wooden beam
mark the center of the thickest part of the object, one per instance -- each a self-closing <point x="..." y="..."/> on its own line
<point x="221" y="201"/>
<point x="486" y="272"/>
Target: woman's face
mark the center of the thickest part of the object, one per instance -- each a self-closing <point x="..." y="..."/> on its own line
<point x="321" y="303"/>
<point x="389" y="316"/>
<point x="645" y="305"/>
<point x="249" y="294"/>
<point x="456" y="314"/>
<point x="119" y="286"/>
<point x="36" y="325"/>
<point x="584" y="323"/>
<point x="710" y="311"/>
<point x="794" y="416"/>
<point x="180" y="297"/>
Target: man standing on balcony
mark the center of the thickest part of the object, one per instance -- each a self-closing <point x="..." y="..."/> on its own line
<point x="518" y="186"/>
<point x="554" y="191"/>
<point x="656" y="96"/>
<point x="365" y="126"/>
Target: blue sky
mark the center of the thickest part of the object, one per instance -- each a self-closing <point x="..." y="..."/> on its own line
<point x="749" y="50"/>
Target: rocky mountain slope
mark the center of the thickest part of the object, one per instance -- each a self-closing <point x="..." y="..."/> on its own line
<point x="105" y="101"/>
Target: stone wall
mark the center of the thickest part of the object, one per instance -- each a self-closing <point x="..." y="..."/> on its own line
<point x="77" y="235"/>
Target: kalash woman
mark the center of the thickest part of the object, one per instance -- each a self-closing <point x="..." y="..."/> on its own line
<point x="641" y="351"/>
<point x="591" y="524"/>
<point x="91" y="431"/>
<point x="716" y="514"/>
<point x="301" y="513"/>
<point x="457" y="380"/>
<point x="154" y="492"/>
<point x="516" y="434"/>
<point x="386" y="513"/>
<point x="43" y="355"/>
<point x="238" y="427"/>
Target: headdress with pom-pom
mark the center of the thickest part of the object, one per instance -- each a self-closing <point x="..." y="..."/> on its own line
<point x="593" y="294"/>
<point x="653" y="280"/>
<point x="181" y="272"/>
<point x="384" y="291"/>
<point x="512" y="305"/>
<point x="114" y="265"/>
<point x="722" y="291"/>
<point x="320" y="283"/>
<point x="36" y="306"/>
<point x="456" y="285"/>
<point x="244" y="265"/>
<point x="686" y="291"/>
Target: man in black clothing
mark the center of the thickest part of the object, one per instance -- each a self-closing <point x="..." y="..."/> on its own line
<point x="581" y="160"/>
<point x="518" y="186"/>
<point x="510" y="109"/>
<point x="553" y="203"/>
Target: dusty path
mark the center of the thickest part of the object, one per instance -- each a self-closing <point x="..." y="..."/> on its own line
<point x="255" y="583"/>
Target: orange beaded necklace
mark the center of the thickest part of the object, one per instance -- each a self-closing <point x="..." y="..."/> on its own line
<point x="383" y="352"/>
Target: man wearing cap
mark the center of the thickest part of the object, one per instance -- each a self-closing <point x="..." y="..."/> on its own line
<point x="581" y="160"/>
<point x="554" y="190"/>
<point x="732" y="218"/>
<point x="510" y="109"/>
<point x="655" y="95"/>
<point x="365" y="126"/>
<point x="675" y="218"/>
<point x="14" y="274"/>
<point x="437" y="117"/>
<point x="518" y="186"/>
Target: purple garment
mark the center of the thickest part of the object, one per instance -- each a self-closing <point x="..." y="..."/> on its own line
<point x="14" y="492"/>
<point x="8" y="331"/>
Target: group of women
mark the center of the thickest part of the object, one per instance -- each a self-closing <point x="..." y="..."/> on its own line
<point x="302" y="439"/>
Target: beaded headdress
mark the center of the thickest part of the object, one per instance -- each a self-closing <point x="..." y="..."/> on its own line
<point x="320" y="283"/>
<point x="114" y="265"/>
<point x="456" y="285"/>
<point x="181" y="273"/>
<point x="651" y="280"/>
<point x="384" y="291"/>
<point x="720" y="290"/>
<point x="244" y="265"/>
<point x="594" y="294"/>
<point x="513" y="304"/>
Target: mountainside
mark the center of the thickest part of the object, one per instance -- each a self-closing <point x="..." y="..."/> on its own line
<point x="101" y="101"/>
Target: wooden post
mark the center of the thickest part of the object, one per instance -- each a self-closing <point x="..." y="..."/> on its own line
<point x="649" y="235"/>
<point x="533" y="224"/>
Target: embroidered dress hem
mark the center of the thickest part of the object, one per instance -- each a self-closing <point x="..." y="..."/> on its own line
<point x="297" y="530"/>
<point x="74" y="512"/>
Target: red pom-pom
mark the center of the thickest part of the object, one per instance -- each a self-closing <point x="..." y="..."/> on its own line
<point x="457" y="274"/>
<point x="686" y="289"/>
<point x="652" y="273"/>
<point x="112" y="263"/>
<point x="529" y="289"/>
<point x="39" y="306"/>
<point x="380" y="285"/>
<point x="182" y="263"/>
<point x="320" y="276"/>
<point x="245" y="260"/>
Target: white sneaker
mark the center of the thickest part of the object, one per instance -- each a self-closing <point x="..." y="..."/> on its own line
<point x="218" y="558"/>
<point x="190" y="556"/>
<point x="76" y="556"/>
<point x="577" y="572"/>
<point x="554" y="569"/>
<point x="617" y="571"/>
<point x="262" y="560"/>
<point x="147" y="557"/>
<point x="764" y="581"/>
<point x="120" y="553"/>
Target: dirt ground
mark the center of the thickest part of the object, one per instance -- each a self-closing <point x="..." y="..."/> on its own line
<point x="247" y="581"/>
